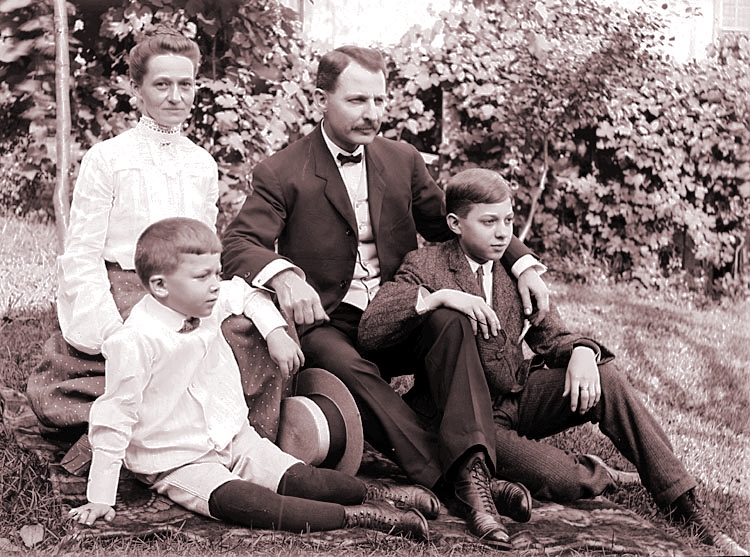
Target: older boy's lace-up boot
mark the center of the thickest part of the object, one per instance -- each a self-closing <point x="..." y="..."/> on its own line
<point x="472" y="488"/>
<point x="405" y="497"/>
<point x="385" y="517"/>
<point x="512" y="500"/>
<point x="687" y="511"/>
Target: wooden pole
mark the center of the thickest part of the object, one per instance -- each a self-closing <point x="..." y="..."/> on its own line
<point x="536" y="193"/>
<point x="61" y="199"/>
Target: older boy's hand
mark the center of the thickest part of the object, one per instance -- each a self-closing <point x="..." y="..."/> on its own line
<point x="582" y="380"/>
<point x="482" y="317"/>
<point x="298" y="299"/>
<point x="88" y="514"/>
<point x="284" y="351"/>
<point x="531" y="285"/>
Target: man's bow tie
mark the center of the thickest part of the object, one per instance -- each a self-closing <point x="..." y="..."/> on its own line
<point x="353" y="159"/>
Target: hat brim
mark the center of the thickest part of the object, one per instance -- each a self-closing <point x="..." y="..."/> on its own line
<point x="317" y="382"/>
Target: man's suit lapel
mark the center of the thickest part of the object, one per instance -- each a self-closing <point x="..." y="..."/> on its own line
<point x="326" y="170"/>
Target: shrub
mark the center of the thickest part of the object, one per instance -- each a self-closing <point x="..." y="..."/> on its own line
<point x="623" y="150"/>
<point x="616" y="151"/>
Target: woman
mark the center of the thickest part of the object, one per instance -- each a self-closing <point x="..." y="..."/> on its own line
<point x="125" y="183"/>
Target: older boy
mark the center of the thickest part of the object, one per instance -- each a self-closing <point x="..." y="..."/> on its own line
<point x="173" y="411"/>
<point x="458" y="286"/>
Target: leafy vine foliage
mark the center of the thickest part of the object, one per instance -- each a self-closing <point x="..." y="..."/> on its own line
<point x="645" y="162"/>
<point x="630" y="158"/>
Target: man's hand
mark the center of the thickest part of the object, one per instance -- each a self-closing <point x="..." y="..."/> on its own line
<point x="582" y="380"/>
<point x="531" y="285"/>
<point x="298" y="299"/>
<point x="88" y="514"/>
<point x="483" y="318"/>
<point x="284" y="351"/>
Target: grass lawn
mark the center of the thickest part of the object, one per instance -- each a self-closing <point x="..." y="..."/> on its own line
<point x="688" y="358"/>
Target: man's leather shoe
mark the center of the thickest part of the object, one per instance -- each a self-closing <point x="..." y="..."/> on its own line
<point x="405" y="497"/>
<point x="384" y="517"/>
<point x="512" y="500"/>
<point x="687" y="512"/>
<point x="618" y="477"/>
<point x="472" y="489"/>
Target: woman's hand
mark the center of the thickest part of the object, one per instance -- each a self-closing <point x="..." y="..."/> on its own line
<point x="89" y="513"/>
<point x="285" y="352"/>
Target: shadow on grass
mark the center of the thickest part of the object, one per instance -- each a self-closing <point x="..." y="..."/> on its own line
<point x="691" y="359"/>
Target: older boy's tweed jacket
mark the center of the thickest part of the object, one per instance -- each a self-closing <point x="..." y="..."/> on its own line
<point x="391" y="317"/>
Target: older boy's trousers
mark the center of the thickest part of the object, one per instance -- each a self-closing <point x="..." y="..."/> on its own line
<point x="540" y="411"/>
<point x="455" y="381"/>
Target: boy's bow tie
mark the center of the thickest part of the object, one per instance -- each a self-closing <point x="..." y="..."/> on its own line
<point x="190" y="324"/>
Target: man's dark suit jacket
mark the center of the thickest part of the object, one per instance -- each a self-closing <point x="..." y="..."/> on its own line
<point x="300" y="198"/>
<point x="392" y="316"/>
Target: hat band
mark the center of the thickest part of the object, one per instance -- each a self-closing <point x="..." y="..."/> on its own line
<point x="336" y="430"/>
<point x="321" y="447"/>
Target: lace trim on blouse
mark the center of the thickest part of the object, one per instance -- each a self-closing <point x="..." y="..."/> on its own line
<point x="147" y="123"/>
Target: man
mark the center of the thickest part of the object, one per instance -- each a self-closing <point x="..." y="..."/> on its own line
<point x="343" y="206"/>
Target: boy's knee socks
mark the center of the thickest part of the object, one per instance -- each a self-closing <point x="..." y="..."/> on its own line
<point x="322" y="484"/>
<point x="242" y="502"/>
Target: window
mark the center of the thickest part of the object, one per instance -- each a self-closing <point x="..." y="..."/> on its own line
<point x="734" y="16"/>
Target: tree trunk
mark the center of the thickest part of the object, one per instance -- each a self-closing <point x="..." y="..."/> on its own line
<point x="61" y="199"/>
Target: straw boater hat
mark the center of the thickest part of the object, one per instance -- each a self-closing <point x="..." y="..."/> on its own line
<point x="320" y="423"/>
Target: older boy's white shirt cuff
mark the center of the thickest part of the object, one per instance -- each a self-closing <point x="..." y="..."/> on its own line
<point x="421" y="306"/>
<point x="526" y="262"/>
<point x="271" y="270"/>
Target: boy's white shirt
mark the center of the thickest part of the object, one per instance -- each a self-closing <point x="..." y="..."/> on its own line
<point x="170" y="397"/>
<point x="488" y="267"/>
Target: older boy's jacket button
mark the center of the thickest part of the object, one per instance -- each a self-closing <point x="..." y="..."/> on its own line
<point x="342" y="284"/>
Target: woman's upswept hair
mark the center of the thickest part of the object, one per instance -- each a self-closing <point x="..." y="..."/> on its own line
<point x="162" y="244"/>
<point x="473" y="186"/>
<point x="162" y="42"/>
<point x="336" y="61"/>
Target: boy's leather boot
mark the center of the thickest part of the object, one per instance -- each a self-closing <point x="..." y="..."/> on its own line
<point x="385" y="517"/>
<point x="405" y="497"/>
<point x="688" y="512"/>
<point x="512" y="500"/>
<point x="472" y="489"/>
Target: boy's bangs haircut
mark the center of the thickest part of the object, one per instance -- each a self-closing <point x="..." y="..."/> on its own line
<point x="475" y="186"/>
<point x="161" y="245"/>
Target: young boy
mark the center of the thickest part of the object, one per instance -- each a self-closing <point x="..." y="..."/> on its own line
<point x="460" y="285"/>
<point x="173" y="411"/>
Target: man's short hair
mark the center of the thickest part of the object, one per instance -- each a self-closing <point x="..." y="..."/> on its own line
<point x="336" y="61"/>
<point x="161" y="245"/>
<point x="474" y="186"/>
